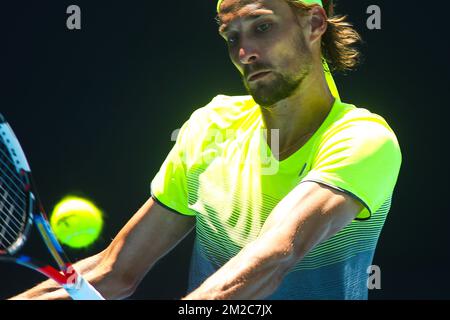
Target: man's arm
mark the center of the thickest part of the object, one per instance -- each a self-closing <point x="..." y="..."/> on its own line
<point x="308" y="215"/>
<point x="115" y="272"/>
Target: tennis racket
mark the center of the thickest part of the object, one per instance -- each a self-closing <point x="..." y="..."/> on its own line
<point x="20" y="209"/>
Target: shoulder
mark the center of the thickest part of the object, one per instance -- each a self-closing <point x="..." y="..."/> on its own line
<point x="360" y="124"/>
<point x="224" y="105"/>
<point x="358" y="133"/>
<point x="221" y="113"/>
<point x="358" y="152"/>
<point x="225" y="112"/>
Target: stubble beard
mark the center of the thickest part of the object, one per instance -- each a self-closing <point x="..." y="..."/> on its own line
<point x="266" y="92"/>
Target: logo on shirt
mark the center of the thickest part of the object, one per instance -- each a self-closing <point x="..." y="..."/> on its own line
<point x="303" y="170"/>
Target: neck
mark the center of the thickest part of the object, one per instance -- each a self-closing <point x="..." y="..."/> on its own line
<point x="299" y="116"/>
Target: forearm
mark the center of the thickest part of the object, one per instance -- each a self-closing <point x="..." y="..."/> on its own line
<point x="307" y="216"/>
<point x="258" y="269"/>
<point x="115" y="272"/>
<point x="93" y="269"/>
<point x="254" y="273"/>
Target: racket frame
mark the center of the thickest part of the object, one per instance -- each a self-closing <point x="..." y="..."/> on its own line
<point x="77" y="287"/>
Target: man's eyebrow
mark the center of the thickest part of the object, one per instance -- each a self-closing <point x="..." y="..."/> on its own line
<point x="251" y="16"/>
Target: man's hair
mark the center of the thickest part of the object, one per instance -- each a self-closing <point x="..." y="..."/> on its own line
<point x="338" y="41"/>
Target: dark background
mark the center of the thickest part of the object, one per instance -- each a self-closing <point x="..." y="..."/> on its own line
<point x="94" y="110"/>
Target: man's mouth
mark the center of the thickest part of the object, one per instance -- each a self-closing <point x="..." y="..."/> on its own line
<point x="257" y="75"/>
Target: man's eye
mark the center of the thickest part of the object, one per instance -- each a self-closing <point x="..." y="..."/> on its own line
<point x="264" y="27"/>
<point x="232" y="40"/>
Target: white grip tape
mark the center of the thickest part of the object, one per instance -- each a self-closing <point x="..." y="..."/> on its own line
<point x="83" y="290"/>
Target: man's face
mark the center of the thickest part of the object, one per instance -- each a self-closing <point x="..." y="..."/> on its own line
<point x="267" y="45"/>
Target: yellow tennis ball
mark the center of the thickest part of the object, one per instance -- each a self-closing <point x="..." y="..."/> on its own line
<point x="76" y="222"/>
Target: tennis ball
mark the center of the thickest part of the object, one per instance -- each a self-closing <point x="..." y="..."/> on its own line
<point x="76" y="222"/>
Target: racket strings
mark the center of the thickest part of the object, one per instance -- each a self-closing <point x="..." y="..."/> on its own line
<point x="19" y="196"/>
<point x="4" y="200"/>
<point x="11" y="228"/>
<point x="10" y="174"/>
<point x="9" y="166"/>
<point x="13" y="210"/>
<point x="8" y="234"/>
<point x="12" y="222"/>
<point x="6" y="237"/>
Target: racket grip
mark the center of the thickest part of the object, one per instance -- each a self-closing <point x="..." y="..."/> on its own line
<point x="83" y="290"/>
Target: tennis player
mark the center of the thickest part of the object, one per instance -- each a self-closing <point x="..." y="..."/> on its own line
<point x="287" y="188"/>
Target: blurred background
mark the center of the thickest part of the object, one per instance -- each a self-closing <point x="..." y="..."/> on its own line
<point x="95" y="109"/>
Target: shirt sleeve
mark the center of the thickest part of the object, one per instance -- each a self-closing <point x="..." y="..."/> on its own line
<point x="361" y="158"/>
<point x="169" y="186"/>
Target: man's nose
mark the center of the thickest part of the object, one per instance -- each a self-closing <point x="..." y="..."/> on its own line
<point x="247" y="55"/>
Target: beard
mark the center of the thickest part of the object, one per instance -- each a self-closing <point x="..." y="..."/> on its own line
<point x="268" y="92"/>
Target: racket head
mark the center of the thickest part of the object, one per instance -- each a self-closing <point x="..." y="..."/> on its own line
<point x="16" y="199"/>
<point x="19" y="205"/>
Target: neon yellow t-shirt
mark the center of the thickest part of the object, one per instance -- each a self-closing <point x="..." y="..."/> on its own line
<point x="222" y="172"/>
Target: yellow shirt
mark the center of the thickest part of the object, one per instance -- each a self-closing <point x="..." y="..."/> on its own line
<point x="222" y="172"/>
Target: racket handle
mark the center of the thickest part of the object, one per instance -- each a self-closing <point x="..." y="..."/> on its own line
<point x="83" y="290"/>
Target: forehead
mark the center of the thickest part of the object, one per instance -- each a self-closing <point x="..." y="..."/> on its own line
<point x="232" y="10"/>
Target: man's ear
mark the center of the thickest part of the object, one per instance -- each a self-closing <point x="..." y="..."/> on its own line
<point x="319" y="24"/>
